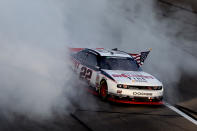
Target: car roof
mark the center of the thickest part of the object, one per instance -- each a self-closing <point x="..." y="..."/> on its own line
<point x="105" y="52"/>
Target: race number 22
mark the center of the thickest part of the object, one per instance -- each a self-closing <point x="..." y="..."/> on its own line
<point x="85" y="74"/>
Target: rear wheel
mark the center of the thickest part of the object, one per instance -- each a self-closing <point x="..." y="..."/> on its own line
<point x="103" y="90"/>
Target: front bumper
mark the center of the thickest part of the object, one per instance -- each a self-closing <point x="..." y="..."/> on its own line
<point x="137" y="100"/>
<point x="145" y="97"/>
<point x="128" y="100"/>
<point x="130" y="93"/>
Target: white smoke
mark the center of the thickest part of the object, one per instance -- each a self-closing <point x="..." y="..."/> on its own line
<point x="34" y="36"/>
<point x="134" y="26"/>
<point x="33" y="56"/>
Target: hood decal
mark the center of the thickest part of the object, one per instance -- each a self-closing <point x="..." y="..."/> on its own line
<point x="132" y="75"/>
<point x="133" y="78"/>
<point x="138" y="78"/>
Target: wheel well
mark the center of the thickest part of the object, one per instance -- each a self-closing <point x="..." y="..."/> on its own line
<point x="103" y="81"/>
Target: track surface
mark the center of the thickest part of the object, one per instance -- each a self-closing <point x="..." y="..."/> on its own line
<point x="110" y="116"/>
<point x="103" y="116"/>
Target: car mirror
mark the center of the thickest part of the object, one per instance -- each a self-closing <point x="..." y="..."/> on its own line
<point x="97" y="67"/>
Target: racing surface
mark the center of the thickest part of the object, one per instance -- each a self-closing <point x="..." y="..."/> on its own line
<point x="112" y="116"/>
<point x="95" y="114"/>
<point x="102" y="116"/>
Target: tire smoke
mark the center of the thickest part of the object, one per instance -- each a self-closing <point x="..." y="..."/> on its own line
<point x="34" y="70"/>
<point x="134" y="26"/>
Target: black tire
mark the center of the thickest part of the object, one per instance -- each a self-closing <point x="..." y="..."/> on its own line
<point x="103" y="90"/>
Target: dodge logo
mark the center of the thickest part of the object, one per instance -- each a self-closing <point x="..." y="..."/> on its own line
<point x="141" y="93"/>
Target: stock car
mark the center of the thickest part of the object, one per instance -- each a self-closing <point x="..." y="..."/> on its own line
<point x="116" y="76"/>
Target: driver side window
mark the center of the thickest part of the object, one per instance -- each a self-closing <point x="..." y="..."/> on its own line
<point x="91" y="59"/>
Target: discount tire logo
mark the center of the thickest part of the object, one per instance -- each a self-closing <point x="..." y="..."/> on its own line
<point x="142" y="94"/>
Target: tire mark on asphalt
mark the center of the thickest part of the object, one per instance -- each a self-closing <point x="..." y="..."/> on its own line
<point x="81" y="122"/>
<point x="171" y="4"/>
<point x="133" y="113"/>
<point x="181" y="113"/>
<point x="187" y="111"/>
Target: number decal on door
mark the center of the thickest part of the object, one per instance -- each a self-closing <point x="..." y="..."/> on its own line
<point x="85" y="73"/>
<point x="88" y="74"/>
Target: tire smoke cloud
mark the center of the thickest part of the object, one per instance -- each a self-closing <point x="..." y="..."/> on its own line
<point x="34" y="36"/>
<point x="33" y="68"/>
<point x="134" y="26"/>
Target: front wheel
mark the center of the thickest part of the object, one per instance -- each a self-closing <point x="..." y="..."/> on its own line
<point x="103" y="90"/>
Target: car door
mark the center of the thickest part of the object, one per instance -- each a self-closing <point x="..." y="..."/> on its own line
<point x="89" y="72"/>
<point x="85" y="67"/>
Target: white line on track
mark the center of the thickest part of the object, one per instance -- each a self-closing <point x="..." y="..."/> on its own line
<point x="180" y="113"/>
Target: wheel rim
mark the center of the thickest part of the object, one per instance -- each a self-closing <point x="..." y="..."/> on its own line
<point x="104" y="90"/>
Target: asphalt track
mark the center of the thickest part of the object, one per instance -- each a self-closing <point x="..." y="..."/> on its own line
<point x="111" y="116"/>
<point x="92" y="114"/>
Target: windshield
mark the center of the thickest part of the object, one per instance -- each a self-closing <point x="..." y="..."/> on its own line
<point x="118" y="63"/>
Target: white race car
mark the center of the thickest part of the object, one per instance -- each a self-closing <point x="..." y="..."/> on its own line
<point x="117" y="76"/>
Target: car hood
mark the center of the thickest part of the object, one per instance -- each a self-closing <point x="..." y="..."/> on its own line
<point x="137" y="78"/>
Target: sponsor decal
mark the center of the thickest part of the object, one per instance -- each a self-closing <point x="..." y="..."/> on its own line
<point x="97" y="78"/>
<point x="142" y="94"/>
<point x="139" y="79"/>
<point x="130" y="75"/>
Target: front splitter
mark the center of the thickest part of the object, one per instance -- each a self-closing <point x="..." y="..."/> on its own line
<point x="134" y="102"/>
<point x="126" y="101"/>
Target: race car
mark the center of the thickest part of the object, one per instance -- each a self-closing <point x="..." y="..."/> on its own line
<point x="116" y="75"/>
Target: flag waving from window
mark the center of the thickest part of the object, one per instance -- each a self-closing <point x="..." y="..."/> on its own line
<point x="141" y="57"/>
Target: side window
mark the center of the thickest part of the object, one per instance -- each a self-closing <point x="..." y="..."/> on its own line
<point x="91" y="59"/>
<point x="81" y="55"/>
